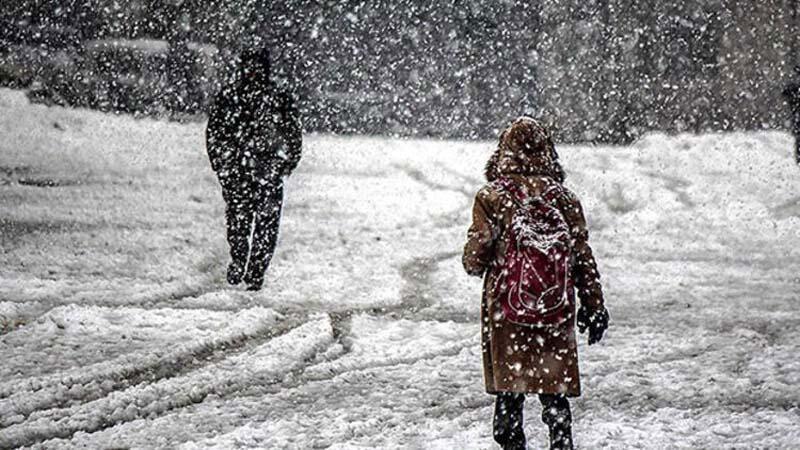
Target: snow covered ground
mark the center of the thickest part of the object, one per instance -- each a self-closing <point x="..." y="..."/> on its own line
<point x="117" y="330"/>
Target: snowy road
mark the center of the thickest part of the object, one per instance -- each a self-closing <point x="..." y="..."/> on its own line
<point x="117" y="330"/>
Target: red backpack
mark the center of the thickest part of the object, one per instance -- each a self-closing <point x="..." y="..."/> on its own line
<point x="534" y="283"/>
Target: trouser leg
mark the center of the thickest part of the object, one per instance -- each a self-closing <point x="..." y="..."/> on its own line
<point x="557" y="416"/>
<point x="797" y="145"/>
<point x="265" y="232"/>
<point x="239" y="219"/>
<point x="508" y="431"/>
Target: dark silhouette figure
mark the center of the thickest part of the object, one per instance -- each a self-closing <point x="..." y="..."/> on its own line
<point x="254" y="140"/>
<point x="792" y="95"/>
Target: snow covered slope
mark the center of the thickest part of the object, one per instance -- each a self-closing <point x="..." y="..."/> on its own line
<point x="116" y="327"/>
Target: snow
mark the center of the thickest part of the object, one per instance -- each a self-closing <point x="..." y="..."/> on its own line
<point x="54" y="364"/>
<point x="117" y="329"/>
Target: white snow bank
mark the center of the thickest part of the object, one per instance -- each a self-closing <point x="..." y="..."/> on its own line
<point x="371" y="342"/>
<point x="264" y="364"/>
<point x="403" y="363"/>
<point x="91" y="351"/>
<point x="697" y="239"/>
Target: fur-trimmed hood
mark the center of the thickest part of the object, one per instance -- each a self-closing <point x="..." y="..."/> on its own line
<point x="525" y="148"/>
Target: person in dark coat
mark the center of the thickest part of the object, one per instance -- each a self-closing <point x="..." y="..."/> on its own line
<point x="520" y="360"/>
<point x="792" y="95"/>
<point x="254" y="140"/>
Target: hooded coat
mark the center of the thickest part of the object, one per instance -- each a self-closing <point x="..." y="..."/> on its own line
<point x="519" y="358"/>
<point x="253" y="130"/>
<point x="254" y="140"/>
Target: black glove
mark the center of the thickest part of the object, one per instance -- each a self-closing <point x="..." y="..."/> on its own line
<point x="597" y="323"/>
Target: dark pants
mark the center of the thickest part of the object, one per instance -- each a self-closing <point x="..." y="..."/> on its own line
<point x="253" y="209"/>
<point x="508" y="422"/>
<point x="797" y="140"/>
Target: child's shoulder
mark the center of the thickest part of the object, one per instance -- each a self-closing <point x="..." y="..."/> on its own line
<point x="569" y="194"/>
<point x="491" y="189"/>
<point x="488" y="194"/>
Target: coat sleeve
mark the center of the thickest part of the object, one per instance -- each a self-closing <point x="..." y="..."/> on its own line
<point x="216" y="138"/>
<point x="481" y="236"/>
<point x="788" y="92"/>
<point x="584" y="267"/>
<point x="292" y="132"/>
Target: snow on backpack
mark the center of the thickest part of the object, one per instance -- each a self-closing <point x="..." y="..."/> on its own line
<point x="534" y="284"/>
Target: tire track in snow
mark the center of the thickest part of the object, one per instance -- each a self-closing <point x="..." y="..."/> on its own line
<point x="468" y="180"/>
<point x="26" y="311"/>
<point x="677" y="186"/>
<point x="418" y="176"/>
<point x="339" y="380"/>
<point x="55" y="391"/>
<point x="787" y="209"/>
<point x="417" y="294"/>
<point x="266" y="364"/>
<point x="419" y="291"/>
<point x="329" y="370"/>
<point x="20" y="399"/>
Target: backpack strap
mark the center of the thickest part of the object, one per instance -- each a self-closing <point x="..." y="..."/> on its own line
<point x="518" y="195"/>
<point x="550" y="193"/>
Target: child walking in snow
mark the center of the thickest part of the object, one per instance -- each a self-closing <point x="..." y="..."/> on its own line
<point x="528" y="239"/>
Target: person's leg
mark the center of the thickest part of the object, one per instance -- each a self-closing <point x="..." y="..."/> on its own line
<point x="265" y="232"/>
<point x="797" y="142"/>
<point x="508" y="431"/>
<point x="557" y="416"/>
<point x="239" y="219"/>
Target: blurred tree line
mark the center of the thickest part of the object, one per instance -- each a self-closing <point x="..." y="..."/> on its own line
<point x="600" y="70"/>
<point x="637" y="65"/>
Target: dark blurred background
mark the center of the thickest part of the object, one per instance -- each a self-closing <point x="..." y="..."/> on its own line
<point x="599" y="70"/>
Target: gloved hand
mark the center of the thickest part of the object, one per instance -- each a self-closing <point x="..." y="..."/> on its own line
<point x="596" y="322"/>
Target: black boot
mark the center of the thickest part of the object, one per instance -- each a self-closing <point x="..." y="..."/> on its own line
<point x="255" y="285"/>
<point x="561" y="438"/>
<point x="557" y="416"/>
<point x="508" y="430"/>
<point x="254" y="280"/>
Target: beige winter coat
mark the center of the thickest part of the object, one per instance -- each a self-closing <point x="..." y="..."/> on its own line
<point x="517" y="358"/>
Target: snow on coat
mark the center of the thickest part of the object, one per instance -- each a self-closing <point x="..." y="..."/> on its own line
<point x="519" y="358"/>
<point x="253" y="131"/>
